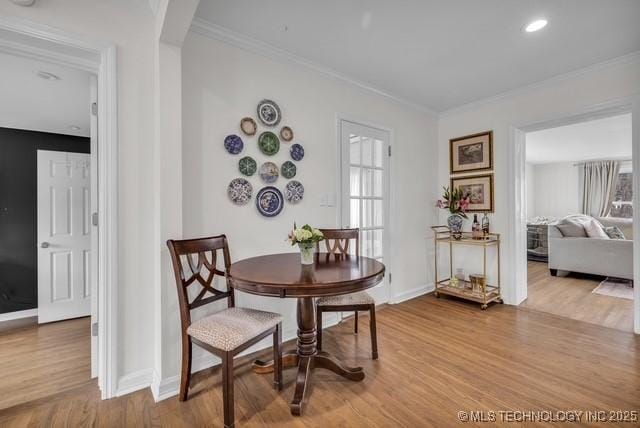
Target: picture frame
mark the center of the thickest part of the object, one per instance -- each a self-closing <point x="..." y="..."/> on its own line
<point x="471" y="153"/>
<point x="479" y="188"/>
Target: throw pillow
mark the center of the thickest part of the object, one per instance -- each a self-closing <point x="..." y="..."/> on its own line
<point x="594" y="230"/>
<point x="571" y="227"/>
<point x="614" y="232"/>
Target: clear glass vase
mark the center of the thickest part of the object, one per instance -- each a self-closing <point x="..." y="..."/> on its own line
<point x="307" y="252"/>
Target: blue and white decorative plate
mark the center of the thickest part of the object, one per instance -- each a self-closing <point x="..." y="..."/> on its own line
<point x="297" y="152"/>
<point x="239" y="191"/>
<point x="269" y="112"/>
<point x="233" y="144"/>
<point x="269" y="201"/>
<point x="294" y="191"/>
<point x="269" y="172"/>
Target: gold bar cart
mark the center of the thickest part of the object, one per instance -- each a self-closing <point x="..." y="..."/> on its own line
<point x="461" y="287"/>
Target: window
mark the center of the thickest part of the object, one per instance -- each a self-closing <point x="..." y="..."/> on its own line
<point x="622" y="200"/>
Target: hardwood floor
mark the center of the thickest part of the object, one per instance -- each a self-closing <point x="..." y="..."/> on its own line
<point x="437" y="357"/>
<point x="39" y="361"/>
<point x="572" y="297"/>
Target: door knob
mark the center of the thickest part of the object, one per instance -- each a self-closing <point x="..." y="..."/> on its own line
<point x="44" y="245"/>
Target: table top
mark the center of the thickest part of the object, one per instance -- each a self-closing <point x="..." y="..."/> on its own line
<point x="282" y="275"/>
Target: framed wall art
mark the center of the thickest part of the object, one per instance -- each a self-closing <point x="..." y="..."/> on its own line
<point x="471" y="153"/>
<point x="479" y="188"/>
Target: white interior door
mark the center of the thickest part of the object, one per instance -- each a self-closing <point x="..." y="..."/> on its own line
<point x="365" y="155"/>
<point x="64" y="235"/>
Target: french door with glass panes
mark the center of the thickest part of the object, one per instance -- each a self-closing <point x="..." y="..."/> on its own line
<point x="365" y="155"/>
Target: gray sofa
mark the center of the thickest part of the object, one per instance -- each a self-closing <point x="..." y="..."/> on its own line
<point x="606" y="257"/>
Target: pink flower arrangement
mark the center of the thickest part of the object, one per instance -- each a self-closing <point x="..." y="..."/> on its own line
<point x="454" y="201"/>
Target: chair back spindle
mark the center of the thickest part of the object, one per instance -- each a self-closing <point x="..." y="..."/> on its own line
<point x="337" y="241"/>
<point x="201" y="257"/>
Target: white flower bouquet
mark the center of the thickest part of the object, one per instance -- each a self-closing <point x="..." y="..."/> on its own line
<point x="306" y="238"/>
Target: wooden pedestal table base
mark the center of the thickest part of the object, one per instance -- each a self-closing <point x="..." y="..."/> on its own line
<point x="306" y="357"/>
<point x="282" y="276"/>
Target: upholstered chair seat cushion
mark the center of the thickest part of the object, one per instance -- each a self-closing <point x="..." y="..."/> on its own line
<point x="230" y="328"/>
<point x="359" y="298"/>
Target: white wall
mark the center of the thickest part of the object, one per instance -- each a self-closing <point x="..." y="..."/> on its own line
<point x="130" y="25"/>
<point x="554" y="99"/>
<point x="530" y="189"/>
<point x="556" y="191"/>
<point x="222" y="84"/>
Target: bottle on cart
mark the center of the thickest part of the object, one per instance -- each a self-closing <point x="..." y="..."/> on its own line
<point x="476" y="231"/>
<point x="485" y="224"/>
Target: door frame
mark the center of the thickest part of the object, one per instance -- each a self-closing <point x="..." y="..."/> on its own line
<point x="106" y="158"/>
<point x="343" y="117"/>
<point x="517" y="198"/>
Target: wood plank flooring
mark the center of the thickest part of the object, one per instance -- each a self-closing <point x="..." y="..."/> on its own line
<point x="38" y="361"/>
<point x="572" y="297"/>
<point x="437" y="357"/>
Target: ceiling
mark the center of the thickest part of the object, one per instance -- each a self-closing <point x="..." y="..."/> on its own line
<point x="438" y="54"/>
<point x="30" y="102"/>
<point x="608" y="138"/>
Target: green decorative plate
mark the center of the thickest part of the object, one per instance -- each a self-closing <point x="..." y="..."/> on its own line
<point x="247" y="166"/>
<point x="269" y="143"/>
<point x="288" y="170"/>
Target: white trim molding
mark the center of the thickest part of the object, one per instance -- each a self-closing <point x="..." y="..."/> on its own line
<point x="631" y="58"/>
<point x="73" y="51"/>
<point x="135" y="381"/>
<point x="16" y="315"/>
<point x="242" y="41"/>
<point x="413" y="293"/>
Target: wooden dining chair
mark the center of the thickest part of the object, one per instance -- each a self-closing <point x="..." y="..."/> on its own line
<point x="225" y="333"/>
<point x="337" y="242"/>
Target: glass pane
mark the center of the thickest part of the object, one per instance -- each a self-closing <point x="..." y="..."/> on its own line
<point x="378" y="190"/>
<point x="355" y="181"/>
<point x="377" y="153"/>
<point x="367" y="182"/>
<point x="367" y="207"/>
<point x="367" y="247"/>
<point x="377" y="242"/>
<point x="377" y="214"/>
<point x="354" y="149"/>
<point x="367" y="151"/>
<point x="354" y="214"/>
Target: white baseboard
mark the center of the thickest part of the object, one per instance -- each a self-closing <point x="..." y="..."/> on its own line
<point x="9" y="316"/>
<point x="413" y="293"/>
<point x="170" y="386"/>
<point x="134" y="381"/>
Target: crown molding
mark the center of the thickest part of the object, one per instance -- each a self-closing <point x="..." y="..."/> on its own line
<point x="242" y="41"/>
<point x="38" y="54"/>
<point x="631" y="58"/>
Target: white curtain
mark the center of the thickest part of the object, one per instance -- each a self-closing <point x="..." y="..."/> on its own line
<point x="597" y="186"/>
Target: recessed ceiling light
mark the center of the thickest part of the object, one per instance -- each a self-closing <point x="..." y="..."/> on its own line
<point x="47" y="76"/>
<point x="536" y="25"/>
<point x="74" y="128"/>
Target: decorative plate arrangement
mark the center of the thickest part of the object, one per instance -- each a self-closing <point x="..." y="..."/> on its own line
<point x="233" y="144"/>
<point x="239" y="191"/>
<point x="286" y="134"/>
<point x="248" y="126"/>
<point x="269" y="112"/>
<point x="269" y="172"/>
<point x="269" y="201"/>
<point x="297" y="152"/>
<point x="294" y="191"/>
<point x="268" y="143"/>
<point x="247" y="166"/>
<point x="288" y="170"/>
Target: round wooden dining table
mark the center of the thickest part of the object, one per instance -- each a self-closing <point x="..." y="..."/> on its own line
<point x="283" y="276"/>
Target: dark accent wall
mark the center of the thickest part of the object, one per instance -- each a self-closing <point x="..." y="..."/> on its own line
<point x="18" y="211"/>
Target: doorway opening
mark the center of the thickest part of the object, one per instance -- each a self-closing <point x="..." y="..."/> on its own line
<point x="47" y="251"/>
<point x="578" y="181"/>
<point x="60" y="52"/>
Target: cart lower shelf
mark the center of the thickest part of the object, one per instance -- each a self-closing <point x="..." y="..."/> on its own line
<point x="464" y="290"/>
